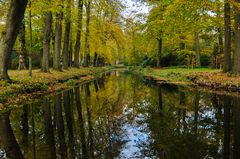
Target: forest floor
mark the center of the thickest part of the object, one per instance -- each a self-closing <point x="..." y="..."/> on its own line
<point x="24" y="87"/>
<point x="210" y="79"/>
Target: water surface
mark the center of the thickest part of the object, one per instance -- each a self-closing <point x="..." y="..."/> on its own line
<point x="123" y="116"/>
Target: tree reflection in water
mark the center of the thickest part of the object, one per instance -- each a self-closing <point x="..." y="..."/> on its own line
<point x="7" y="139"/>
<point x="122" y="116"/>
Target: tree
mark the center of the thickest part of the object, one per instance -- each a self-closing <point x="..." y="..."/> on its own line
<point x="66" y="43"/>
<point x="8" y="140"/>
<point x="58" y="40"/>
<point x="236" y="63"/>
<point x="106" y="35"/>
<point x="197" y="49"/>
<point x="87" y="47"/>
<point x="77" y="47"/>
<point x="46" y="40"/>
<point x="30" y="34"/>
<point x="23" y="50"/>
<point x="227" y="48"/>
<point x="155" y="26"/>
<point x="159" y="52"/>
<point x="15" y="15"/>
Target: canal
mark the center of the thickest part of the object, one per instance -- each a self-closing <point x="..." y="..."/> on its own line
<point x="120" y="116"/>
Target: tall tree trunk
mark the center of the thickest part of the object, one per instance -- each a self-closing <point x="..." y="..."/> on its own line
<point x="15" y="15"/>
<point x="159" y="52"/>
<point x="160" y="97"/>
<point x="23" y="50"/>
<point x="65" y="52"/>
<point x="81" y="123"/>
<point x="197" y="49"/>
<point x="68" y="103"/>
<point x="30" y="47"/>
<point x="77" y="47"/>
<point x="70" y="58"/>
<point x="60" y="125"/>
<point x="48" y="127"/>
<point x="87" y="48"/>
<point x="226" y="126"/>
<point x="58" y="41"/>
<point x="236" y="62"/>
<point x="33" y="133"/>
<point x="236" y="127"/>
<point x="8" y="139"/>
<point x="25" y="127"/>
<point x="220" y="43"/>
<point x="90" y="128"/>
<point x="196" y="106"/>
<point x="46" y="41"/>
<point x="220" y="47"/>
<point x="227" y="42"/>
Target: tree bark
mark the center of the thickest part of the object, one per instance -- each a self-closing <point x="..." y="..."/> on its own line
<point x="65" y="52"/>
<point x="236" y="63"/>
<point x="77" y="47"/>
<point x="95" y="59"/>
<point x="197" y="49"/>
<point x="15" y="15"/>
<point x="70" y="58"/>
<point x="87" y="47"/>
<point x="23" y="50"/>
<point x="220" y="51"/>
<point x="227" y="42"/>
<point x="30" y="47"/>
<point x="46" y="41"/>
<point x="159" y="52"/>
<point x="58" y="41"/>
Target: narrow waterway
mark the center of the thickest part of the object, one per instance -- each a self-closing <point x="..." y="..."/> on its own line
<point x="123" y="116"/>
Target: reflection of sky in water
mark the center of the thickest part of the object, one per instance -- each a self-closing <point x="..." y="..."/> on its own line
<point x="2" y="154"/>
<point x="134" y="134"/>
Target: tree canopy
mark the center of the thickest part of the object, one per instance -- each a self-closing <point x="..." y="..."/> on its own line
<point x="98" y="32"/>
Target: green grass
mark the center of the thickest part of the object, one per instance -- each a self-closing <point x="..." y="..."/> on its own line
<point x="175" y="74"/>
<point x="23" y="84"/>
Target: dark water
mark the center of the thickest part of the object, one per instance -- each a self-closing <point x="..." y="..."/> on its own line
<point x="123" y="116"/>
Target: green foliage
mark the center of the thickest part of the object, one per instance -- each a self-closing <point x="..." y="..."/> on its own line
<point x="176" y="22"/>
<point x="132" y="38"/>
<point x="70" y="82"/>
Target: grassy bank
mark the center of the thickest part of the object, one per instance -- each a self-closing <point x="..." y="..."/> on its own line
<point x="24" y="87"/>
<point x="202" y="77"/>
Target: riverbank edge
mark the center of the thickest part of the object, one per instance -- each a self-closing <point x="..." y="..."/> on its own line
<point x="36" y="89"/>
<point x="214" y="81"/>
